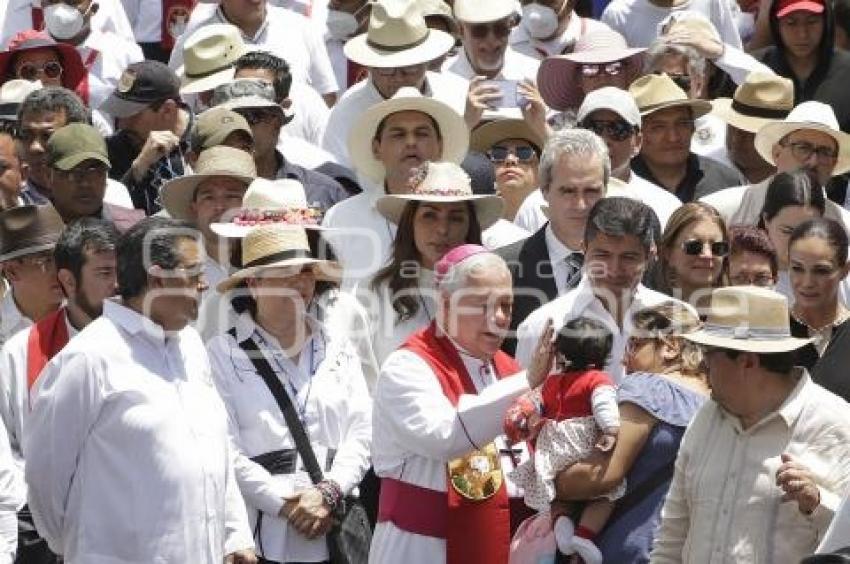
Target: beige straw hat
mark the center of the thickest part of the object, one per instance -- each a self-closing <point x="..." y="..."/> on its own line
<point x="209" y="56"/>
<point x="276" y="246"/>
<point x="488" y="134"/>
<point x="761" y="99"/>
<point x="483" y="11"/>
<point x="654" y="92"/>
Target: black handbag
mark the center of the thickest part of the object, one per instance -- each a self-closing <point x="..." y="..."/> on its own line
<point x="351" y="535"/>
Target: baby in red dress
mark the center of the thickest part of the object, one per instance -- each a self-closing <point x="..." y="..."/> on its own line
<point x="573" y="412"/>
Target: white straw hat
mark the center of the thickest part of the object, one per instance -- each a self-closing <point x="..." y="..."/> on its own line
<point x="483" y="11"/>
<point x="209" y="56"/>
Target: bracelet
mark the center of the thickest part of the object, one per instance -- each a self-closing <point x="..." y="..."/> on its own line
<point x="331" y="493"/>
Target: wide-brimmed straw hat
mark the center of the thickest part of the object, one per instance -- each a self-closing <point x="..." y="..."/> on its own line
<point x="808" y="115"/>
<point x="655" y="92"/>
<point x="74" y="73"/>
<point x="442" y="183"/>
<point x="12" y="94"/>
<point x="209" y="56"/>
<point x="557" y="76"/>
<point x="483" y="11"/>
<point x="269" y="202"/>
<point x="397" y="37"/>
<point x="27" y="230"/>
<point x="488" y="134"/>
<point x="453" y="130"/>
<point x="276" y="246"/>
<point x="761" y="99"/>
<point x="748" y="318"/>
<point x="178" y="193"/>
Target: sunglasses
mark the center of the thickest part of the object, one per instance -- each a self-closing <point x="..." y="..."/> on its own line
<point x="694" y="247"/>
<point x="500" y="29"/>
<point x="609" y="69"/>
<point x="253" y="117"/>
<point x="30" y="71"/>
<point x="618" y="130"/>
<point x="523" y="154"/>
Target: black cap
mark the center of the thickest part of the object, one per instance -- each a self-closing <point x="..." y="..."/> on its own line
<point x="141" y="84"/>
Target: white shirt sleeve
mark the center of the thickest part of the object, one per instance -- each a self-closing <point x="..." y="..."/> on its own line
<point x="12" y="498"/>
<point x="738" y="64"/>
<point x="603" y="401"/>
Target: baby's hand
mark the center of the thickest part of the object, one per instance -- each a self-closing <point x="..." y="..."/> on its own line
<point x="606" y="441"/>
<point x="522" y="420"/>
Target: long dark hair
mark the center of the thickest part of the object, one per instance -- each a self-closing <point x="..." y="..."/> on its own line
<point x="796" y="188"/>
<point x="397" y="276"/>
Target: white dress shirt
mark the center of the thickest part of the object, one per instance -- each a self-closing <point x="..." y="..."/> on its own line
<point x="445" y="87"/>
<point x="530" y="214"/>
<point x="114" y="54"/>
<point x="11" y="319"/>
<point x="12" y="498"/>
<point x="16" y="16"/>
<point x="521" y="41"/>
<point x="581" y="301"/>
<point x="309" y="115"/>
<point x="724" y="505"/>
<point x="146" y="18"/>
<point x="417" y="431"/>
<point x="502" y="233"/>
<point x="516" y="66"/>
<point x="128" y="456"/>
<point x="327" y="387"/>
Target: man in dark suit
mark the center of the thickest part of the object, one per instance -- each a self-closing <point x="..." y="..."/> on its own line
<point x="574" y="173"/>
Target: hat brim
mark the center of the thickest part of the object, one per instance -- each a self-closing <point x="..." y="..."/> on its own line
<point x="71" y="161"/>
<point x="120" y="108"/>
<point x="811" y="7"/>
<point x="767" y="346"/>
<point x="235" y="231"/>
<point x="177" y="193"/>
<point x="436" y="45"/>
<point x="453" y="130"/>
<point x="557" y="77"/>
<point x="698" y="107"/>
<point x="488" y="134"/>
<point x="722" y="108"/>
<point x="323" y="270"/>
<point x="205" y="83"/>
<point x="36" y="247"/>
<point x="772" y="133"/>
<point x="74" y="72"/>
<point x="488" y="209"/>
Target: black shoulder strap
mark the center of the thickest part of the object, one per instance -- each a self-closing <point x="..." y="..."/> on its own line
<point x="302" y="442"/>
<point x="643" y="490"/>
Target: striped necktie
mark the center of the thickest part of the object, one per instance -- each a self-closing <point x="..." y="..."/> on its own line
<point x="574" y="262"/>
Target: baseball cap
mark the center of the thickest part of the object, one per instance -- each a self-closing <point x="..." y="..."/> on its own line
<point x="785" y="7"/>
<point x="610" y="98"/>
<point x="74" y="143"/>
<point x="141" y="84"/>
<point x="214" y="125"/>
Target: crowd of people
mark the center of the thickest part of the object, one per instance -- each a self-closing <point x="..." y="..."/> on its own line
<point x="424" y="281"/>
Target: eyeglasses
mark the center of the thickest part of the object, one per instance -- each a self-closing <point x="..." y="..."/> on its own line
<point x="44" y="261"/>
<point x="258" y="115"/>
<point x="694" y="247"/>
<point x="618" y="130"/>
<point x="91" y="173"/>
<point x="409" y="71"/>
<point x="763" y="279"/>
<point x="523" y="153"/>
<point x="803" y="150"/>
<point x="30" y="71"/>
<point x="609" y="69"/>
<point x="500" y="29"/>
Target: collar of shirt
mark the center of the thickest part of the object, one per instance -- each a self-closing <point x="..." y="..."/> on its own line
<point x="374" y="93"/>
<point x="686" y="188"/>
<point x="246" y="327"/>
<point x="257" y="37"/>
<point x="788" y="411"/>
<point x="135" y="323"/>
<point x="31" y="194"/>
<point x="558" y="252"/>
<point x="480" y="371"/>
<point x="72" y="331"/>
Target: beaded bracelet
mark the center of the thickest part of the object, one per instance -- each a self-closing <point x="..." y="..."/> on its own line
<point x="331" y="493"/>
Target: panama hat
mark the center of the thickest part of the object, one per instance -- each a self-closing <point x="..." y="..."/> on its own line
<point x="488" y="134"/>
<point x="438" y="9"/>
<point x="12" y="94"/>
<point x="655" y="92"/>
<point x="269" y="202"/>
<point x="276" y="246"/>
<point x="442" y="183"/>
<point x="397" y="37"/>
<point x="748" y="318"/>
<point x="761" y="99"/>
<point x="808" y="115"/>
<point x="453" y="130"/>
<point x="178" y="193"/>
<point x="557" y="76"/>
<point x="209" y="56"/>
<point x="483" y="11"/>
<point x="27" y="230"/>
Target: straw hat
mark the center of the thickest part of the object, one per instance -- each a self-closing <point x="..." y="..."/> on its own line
<point x="276" y="246"/>
<point x="397" y="37"/>
<point x="177" y="194"/>
<point x="442" y="183"/>
<point x="453" y="129"/>
<point x="209" y="56"/>
<point x="557" y="76"/>
<point x="488" y="134"/>
<point x="12" y="94"/>
<point x="438" y="9"/>
<point x="748" y="318"/>
<point x="808" y="115"/>
<point x="759" y="100"/>
<point x="483" y="11"/>
<point x="269" y="202"/>
<point x="655" y="92"/>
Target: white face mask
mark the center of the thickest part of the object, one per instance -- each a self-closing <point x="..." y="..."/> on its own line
<point x="63" y="21"/>
<point x="540" y="21"/>
<point x="341" y="25"/>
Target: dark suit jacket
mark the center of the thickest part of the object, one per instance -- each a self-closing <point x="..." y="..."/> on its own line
<point x="533" y="281"/>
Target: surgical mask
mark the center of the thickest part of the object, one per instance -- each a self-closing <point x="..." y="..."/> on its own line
<point x="341" y="25"/>
<point x="540" y="21"/>
<point x="63" y="21"/>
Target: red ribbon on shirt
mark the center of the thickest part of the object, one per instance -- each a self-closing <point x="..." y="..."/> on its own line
<point x="46" y="339"/>
<point x="477" y="532"/>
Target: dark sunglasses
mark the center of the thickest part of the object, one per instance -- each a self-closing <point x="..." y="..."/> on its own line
<point x="500" y="29"/>
<point x="610" y="69"/>
<point x="694" y="247"/>
<point x="523" y="154"/>
<point x="618" y="130"/>
<point x="30" y="71"/>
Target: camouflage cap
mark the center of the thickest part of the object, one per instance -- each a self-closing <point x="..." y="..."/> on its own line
<point x="74" y="143"/>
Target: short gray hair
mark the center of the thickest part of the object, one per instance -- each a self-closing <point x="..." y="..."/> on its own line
<point x="572" y="142"/>
<point x="659" y="49"/>
<point x="456" y="278"/>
